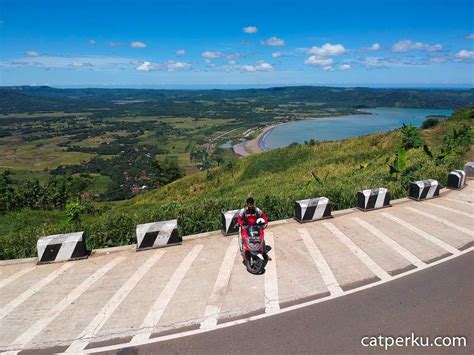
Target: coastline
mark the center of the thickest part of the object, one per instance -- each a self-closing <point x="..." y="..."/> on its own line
<point x="258" y="145"/>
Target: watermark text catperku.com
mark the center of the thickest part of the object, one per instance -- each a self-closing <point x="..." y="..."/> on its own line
<point x="412" y="340"/>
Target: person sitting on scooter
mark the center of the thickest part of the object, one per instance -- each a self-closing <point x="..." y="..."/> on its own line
<point x="248" y="216"/>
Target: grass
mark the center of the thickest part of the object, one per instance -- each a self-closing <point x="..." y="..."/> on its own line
<point x="99" y="183"/>
<point x="36" y="155"/>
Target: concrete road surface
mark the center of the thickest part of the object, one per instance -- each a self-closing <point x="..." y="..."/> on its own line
<point x="127" y="298"/>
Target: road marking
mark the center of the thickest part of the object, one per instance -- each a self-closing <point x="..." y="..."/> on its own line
<point x="323" y="267"/>
<point x="272" y="299"/>
<point x="442" y="220"/>
<point x="390" y="242"/>
<point x="58" y="308"/>
<point x="185" y="334"/>
<point x="470" y="215"/>
<point x="459" y="201"/>
<point x="15" y="276"/>
<point x="106" y="312"/>
<point x="33" y="289"/>
<point x="421" y="233"/>
<point x="372" y="265"/>
<point x="158" y="308"/>
<point x="216" y="299"/>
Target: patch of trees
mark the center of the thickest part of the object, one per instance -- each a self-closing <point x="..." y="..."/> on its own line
<point x="132" y="170"/>
<point x="55" y="193"/>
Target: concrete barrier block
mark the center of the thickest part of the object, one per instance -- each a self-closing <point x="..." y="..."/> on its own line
<point x="229" y="222"/>
<point x="312" y="209"/>
<point x="62" y="247"/>
<point x="469" y="170"/>
<point x="158" y="234"/>
<point x="456" y="179"/>
<point x="424" y="189"/>
<point x="372" y="199"/>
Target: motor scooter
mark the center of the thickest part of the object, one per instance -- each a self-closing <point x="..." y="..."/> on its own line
<point x="252" y="247"/>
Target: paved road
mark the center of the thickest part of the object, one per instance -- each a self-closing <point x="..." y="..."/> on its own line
<point x="432" y="302"/>
<point x="125" y="297"/>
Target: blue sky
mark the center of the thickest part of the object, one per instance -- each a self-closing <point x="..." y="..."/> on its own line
<point x="246" y="43"/>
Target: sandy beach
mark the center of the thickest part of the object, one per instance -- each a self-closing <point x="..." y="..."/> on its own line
<point x="254" y="146"/>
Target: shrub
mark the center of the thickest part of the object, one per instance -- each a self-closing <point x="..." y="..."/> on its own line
<point x="110" y="230"/>
<point x="430" y="122"/>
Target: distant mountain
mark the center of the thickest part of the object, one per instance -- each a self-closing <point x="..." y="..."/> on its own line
<point x="45" y="98"/>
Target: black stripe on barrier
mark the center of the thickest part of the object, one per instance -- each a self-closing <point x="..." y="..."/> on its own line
<point x="424" y="193"/>
<point x="309" y="212"/>
<point x="148" y="239"/>
<point x="175" y="237"/>
<point x="79" y="250"/>
<point x="371" y="202"/>
<point x="50" y="252"/>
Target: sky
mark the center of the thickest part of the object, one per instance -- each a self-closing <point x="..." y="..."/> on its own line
<point x="173" y="44"/>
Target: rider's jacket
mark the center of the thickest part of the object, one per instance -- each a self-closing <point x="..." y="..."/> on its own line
<point x="250" y="216"/>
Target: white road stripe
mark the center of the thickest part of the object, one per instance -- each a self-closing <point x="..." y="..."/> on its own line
<point x="372" y="265"/>
<point x="109" y="308"/>
<point x="216" y="299"/>
<point x="465" y="214"/>
<point x="15" y="276"/>
<point x="421" y="233"/>
<point x="32" y="290"/>
<point x="326" y="273"/>
<point x="42" y="323"/>
<point x="441" y="220"/>
<point x="390" y="242"/>
<point x="158" y="308"/>
<point x="272" y="299"/>
<point x="459" y="201"/>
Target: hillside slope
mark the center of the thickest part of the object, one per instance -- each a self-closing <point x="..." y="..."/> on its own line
<point x="279" y="177"/>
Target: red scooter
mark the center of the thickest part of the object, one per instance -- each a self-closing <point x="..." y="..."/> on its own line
<point x="252" y="247"/>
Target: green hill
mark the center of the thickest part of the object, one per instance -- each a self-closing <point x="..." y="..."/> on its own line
<point x="275" y="179"/>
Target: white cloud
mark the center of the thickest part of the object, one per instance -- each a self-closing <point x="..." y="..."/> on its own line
<point x="211" y="55"/>
<point x="274" y="42"/>
<point x="145" y="66"/>
<point x="407" y="45"/>
<point x="232" y="62"/>
<point x="469" y="36"/>
<point x="137" y="44"/>
<point x="373" y="47"/>
<point x="465" y="55"/>
<point x="180" y="52"/>
<point x="276" y="54"/>
<point x="172" y="65"/>
<point x="32" y="54"/>
<point x="79" y="65"/>
<point x="314" y="60"/>
<point x="92" y="42"/>
<point x="374" y="62"/>
<point x="250" y="29"/>
<point x="438" y="60"/>
<point x="345" y="67"/>
<point x="64" y="62"/>
<point x="259" y="66"/>
<point x="327" y="50"/>
<point x="328" y="68"/>
<point x="214" y="55"/>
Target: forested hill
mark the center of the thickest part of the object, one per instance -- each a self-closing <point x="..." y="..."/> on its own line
<point x="18" y="99"/>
